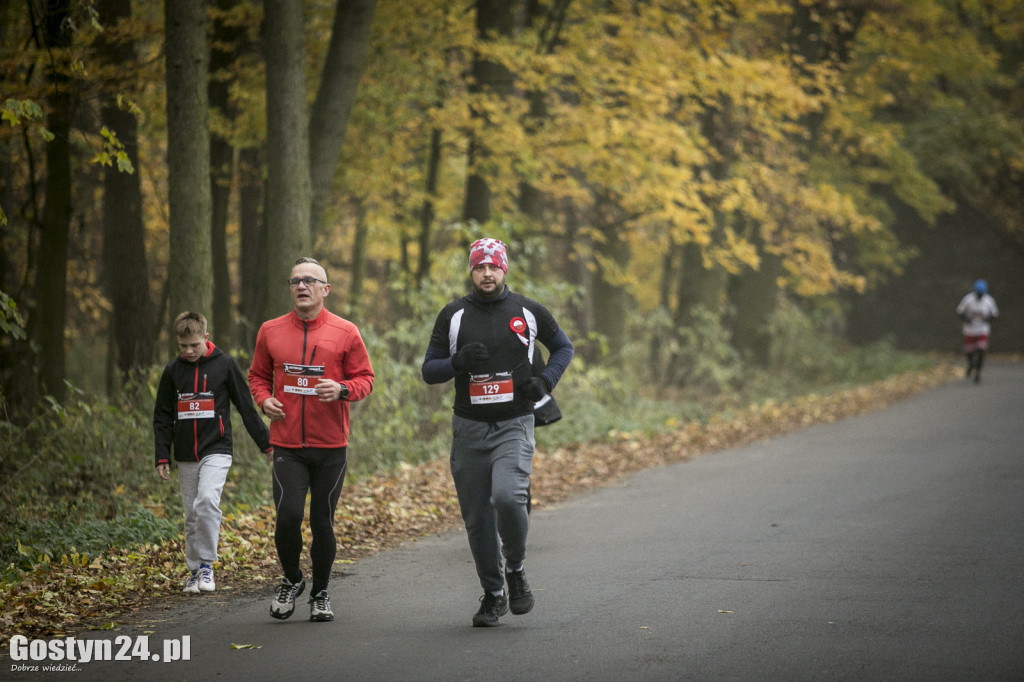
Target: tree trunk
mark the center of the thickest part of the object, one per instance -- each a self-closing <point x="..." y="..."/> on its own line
<point x="610" y="300"/>
<point x="358" y="279"/>
<point x="656" y="355"/>
<point x="753" y="294"/>
<point x="190" y="271"/>
<point x="50" y="311"/>
<point x="493" y="17"/>
<point x="696" y="287"/>
<point x="125" y="273"/>
<point x="427" y="210"/>
<point x="222" y="56"/>
<point x="699" y="285"/>
<point x="477" y="206"/>
<point x="222" y="320"/>
<point x="288" y="194"/>
<point x="253" y="261"/>
<point x="580" y="276"/>
<point x="339" y="82"/>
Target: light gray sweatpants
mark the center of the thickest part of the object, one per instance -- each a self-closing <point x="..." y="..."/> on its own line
<point x="491" y="465"/>
<point x="201" y="484"/>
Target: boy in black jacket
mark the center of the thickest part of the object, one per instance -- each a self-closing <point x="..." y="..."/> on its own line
<point x="192" y="417"/>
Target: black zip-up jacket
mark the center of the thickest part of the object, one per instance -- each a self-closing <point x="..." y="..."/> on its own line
<point x="509" y="326"/>
<point x="192" y="414"/>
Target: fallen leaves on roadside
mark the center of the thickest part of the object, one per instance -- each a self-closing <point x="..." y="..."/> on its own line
<point x="413" y="501"/>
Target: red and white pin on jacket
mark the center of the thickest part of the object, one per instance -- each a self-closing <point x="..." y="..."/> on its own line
<point x="518" y="325"/>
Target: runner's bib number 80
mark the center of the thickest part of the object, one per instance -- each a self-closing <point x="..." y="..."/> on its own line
<point x="302" y="379"/>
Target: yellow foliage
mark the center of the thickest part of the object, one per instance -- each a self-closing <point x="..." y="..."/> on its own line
<point x="662" y="124"/>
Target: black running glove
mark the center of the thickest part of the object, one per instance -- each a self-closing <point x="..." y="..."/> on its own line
<point x="533" y="389"/>
<point x="470" y="357"/>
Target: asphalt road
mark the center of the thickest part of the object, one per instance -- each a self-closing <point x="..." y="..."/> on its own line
<point x="884" y="547"/>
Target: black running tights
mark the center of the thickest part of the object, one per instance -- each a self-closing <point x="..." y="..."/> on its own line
<point x="321" y="472"/>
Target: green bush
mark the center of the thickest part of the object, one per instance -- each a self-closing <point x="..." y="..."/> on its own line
<point x="78" y="476"/>
<point x="807" y="350"/>
<point x="97" y="454"/>
<point x="65" y="532"/>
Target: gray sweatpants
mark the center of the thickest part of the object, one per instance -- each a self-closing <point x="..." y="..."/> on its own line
<point x="491" y="465"/>
<point x="201" y="484"/>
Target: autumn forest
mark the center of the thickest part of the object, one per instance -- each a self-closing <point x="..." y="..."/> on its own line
<point x="672" y="176"/>
<point x="726" y="204"/>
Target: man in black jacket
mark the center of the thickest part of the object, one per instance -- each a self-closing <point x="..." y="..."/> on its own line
<point x="192" y="417"/>
<point x="486" y="342"/>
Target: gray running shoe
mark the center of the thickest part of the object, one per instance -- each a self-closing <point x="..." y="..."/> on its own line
<point x="320" y="608"/>
<point x="284" y="603"/>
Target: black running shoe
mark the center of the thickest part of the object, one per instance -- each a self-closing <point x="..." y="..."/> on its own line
<point x="520" y="599"/>
<point x="491" y="609"/>
<point x="283" y="605"/>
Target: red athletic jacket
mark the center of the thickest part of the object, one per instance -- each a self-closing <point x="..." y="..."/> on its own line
<point x="290" y="355"/>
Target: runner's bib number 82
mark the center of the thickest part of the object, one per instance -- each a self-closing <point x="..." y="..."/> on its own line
<point x="195" y="405"/>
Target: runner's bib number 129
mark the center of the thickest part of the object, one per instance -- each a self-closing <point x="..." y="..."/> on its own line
<point x="491" y="388"/>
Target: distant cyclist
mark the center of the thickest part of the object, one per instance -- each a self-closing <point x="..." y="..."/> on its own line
<point x="976" y="309"/>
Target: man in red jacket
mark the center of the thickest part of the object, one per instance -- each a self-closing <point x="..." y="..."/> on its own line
<point x="307" y="367"/>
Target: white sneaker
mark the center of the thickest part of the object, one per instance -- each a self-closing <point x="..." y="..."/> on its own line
<point x="192" y="583"/>
<point x="206" y="583"/>
<point x="284" y="602"/>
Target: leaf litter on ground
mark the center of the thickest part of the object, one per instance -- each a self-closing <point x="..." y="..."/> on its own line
<point x="59" y="599"/>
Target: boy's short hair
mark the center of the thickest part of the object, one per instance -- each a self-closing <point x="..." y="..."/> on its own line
<point x="189" y="324"/>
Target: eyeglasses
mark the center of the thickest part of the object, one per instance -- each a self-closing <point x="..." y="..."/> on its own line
<point x="308" y="281"/>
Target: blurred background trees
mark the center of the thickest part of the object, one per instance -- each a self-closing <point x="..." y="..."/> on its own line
<point x="679" y="178"/>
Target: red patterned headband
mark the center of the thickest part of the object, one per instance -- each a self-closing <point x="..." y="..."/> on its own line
<point x="488" y="251"/>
